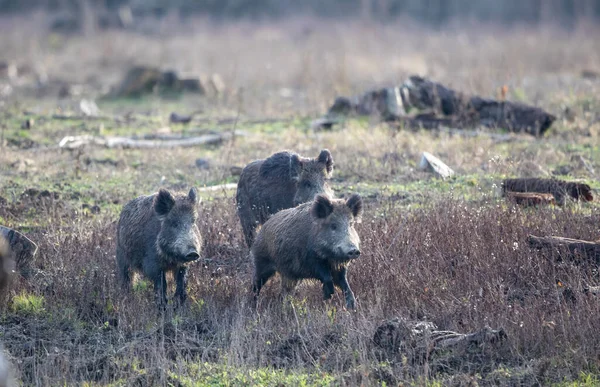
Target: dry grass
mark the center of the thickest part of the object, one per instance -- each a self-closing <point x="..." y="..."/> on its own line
<point x="449" y="252"/>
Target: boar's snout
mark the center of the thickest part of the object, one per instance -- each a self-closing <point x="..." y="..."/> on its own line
<point x="353" y="253"/>
<point x="192" y="256"/>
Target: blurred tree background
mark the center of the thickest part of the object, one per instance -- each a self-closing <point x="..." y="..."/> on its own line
<point x="432" y="12"/>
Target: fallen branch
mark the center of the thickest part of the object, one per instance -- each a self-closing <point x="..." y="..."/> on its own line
<point x="529" y="199"/>
<point x="74" y="142"/>
<point x="219" y="187"/>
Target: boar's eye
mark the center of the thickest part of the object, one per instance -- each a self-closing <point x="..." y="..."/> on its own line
<point x="306" y="184"/>
<point x="333" y="226"/>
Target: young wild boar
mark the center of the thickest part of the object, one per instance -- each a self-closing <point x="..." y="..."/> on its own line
<point x="156" y="234"/>
<point x="315" y="240"/>
<point x="281" y="181"/>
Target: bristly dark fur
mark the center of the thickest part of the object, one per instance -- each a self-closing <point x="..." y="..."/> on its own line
<point x="156" y="234"/>
<point x="278" y="182"/>
<point x="311" y="241"/>
<point x="282" y="165"/>
<point x="559" y="188"/>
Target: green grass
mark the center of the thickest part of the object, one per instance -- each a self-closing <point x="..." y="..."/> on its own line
<point x="216" y="375"/>
<point x="28" y="304"/>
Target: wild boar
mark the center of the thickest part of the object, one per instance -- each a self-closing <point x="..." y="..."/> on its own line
<point x="315" y="240"/>
<point x="156" y="234"/>
<point x="7" y="267"/>
<point x="7" y="264"/>
<point x="281" y="181"/>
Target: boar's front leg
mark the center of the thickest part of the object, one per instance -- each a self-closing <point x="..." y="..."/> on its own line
<point x="339" y="278"/>
<point x="160" y="289"/>
<point x="324" y="275"/>
<point x="181" y="279"/>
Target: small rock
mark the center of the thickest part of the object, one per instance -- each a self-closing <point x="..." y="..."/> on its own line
<point x="203" y="163"/>
<point x="432" y="164"/>
<point x="89" y="108"/>
<point x="179" y="119"/>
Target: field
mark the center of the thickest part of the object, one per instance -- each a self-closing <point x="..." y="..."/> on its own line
<point x="452" y="252"/>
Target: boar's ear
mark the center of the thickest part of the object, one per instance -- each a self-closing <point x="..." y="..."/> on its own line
<point x="355" y="203"/>
<point x="193" y="196"/>
<point x="326" y="158"/>
<point x="163" y="202"/>
<point x="321" y="207"/>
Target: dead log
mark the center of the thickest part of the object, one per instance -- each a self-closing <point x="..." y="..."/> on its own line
<point x="74" y="142"/>
<point x="219" y="187"/>
<point x="422" y="340"/>
<point x="473" y="110"/>
<point x="444" y="107"/>
<point x="559" y="188"/>
<point x="529" y="199"/>
<point x="573" y="249"/>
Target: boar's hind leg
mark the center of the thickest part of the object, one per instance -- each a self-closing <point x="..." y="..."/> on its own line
<point x="181" y="279"/>
<point x="264" y="269"/>
<point x="324" y="275"/>
<point x="248" y="221"/>
<point x="339" y="278"/>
